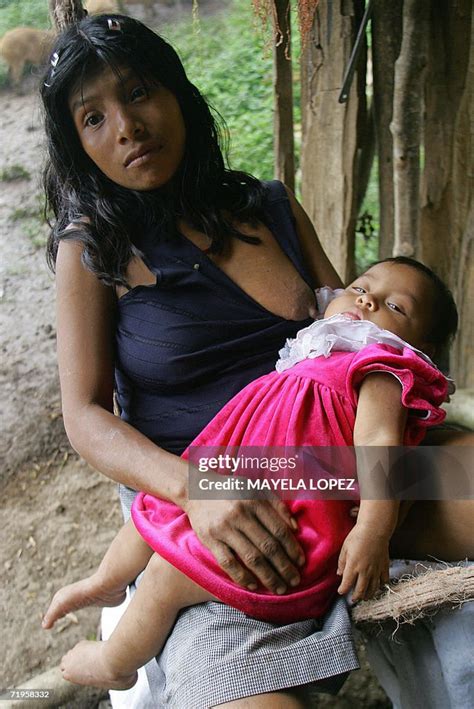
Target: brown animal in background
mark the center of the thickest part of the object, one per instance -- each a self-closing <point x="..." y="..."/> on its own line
<point x="22" y="45"/>
<point x="99" y="7"/>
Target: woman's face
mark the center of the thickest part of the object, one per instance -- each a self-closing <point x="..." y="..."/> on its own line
<point x="133" y="132"/>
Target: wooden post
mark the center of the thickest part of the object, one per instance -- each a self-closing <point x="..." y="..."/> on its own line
<point x="65" y="12"/>
<point x="386" y="41"/>
<point x="447" y="201"/>
<point x="410" y="69"/>
<point x="283" y="137"/>
<point x="331" y="130"/>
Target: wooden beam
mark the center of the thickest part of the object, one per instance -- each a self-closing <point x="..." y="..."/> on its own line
<point x="332" y="130"/>
<point x="406" y="125"/>
<point x="283" y="134"/>
<point x="386" y="41"/>
<point x="64" y="12"/>
<point x="447" y="202"/>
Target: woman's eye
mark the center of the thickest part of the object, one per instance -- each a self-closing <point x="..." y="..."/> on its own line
<point x="92" y="119"/>
<point x="138" y="92"/>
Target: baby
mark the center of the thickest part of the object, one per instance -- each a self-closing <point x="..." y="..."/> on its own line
<point x="361" y="376"/>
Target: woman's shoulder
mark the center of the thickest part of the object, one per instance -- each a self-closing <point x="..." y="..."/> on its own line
<point x="275" y="191"/>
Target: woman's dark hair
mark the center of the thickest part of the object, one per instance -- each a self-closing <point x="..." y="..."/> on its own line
<point x="204" y="192"/>
<point x="444" y="321"/>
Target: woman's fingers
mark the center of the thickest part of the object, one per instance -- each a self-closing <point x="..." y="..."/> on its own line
<point x="250" y="540"/>
<point x="226" y="559"/>
<point x="269" y="547"/>
<point x="284" y="513"/>
<point x="281" y="530"/>
<point x="240" y="549"/>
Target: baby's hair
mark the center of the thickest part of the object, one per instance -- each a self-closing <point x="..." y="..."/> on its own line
<point x="204" y="191"/>
<point x="444" y="312"/>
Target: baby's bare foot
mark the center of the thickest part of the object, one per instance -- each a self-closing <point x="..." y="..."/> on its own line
<point x="87" y="664"/>
<point x="88" y="592"/>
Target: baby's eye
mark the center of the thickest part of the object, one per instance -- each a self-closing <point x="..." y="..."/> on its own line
<point x="92" y="119"/>
<point x="138" y="93"/>
<point x="394" y="306"/>
<point x="358" y="289"/>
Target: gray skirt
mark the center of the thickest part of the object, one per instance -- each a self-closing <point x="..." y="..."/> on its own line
<point x="216" y="654"/>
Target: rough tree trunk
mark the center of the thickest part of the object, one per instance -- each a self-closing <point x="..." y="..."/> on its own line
<point x="386" y="42"/>
<point x="447" y="205"/>
<point x="407" y="123"/>
<point x="330" y="130"/>
<point x="65" y="12"/>
<point x="284" y="149"/>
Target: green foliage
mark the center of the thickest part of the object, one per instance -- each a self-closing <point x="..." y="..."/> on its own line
<point x="34" y="211"/>
<point x="10" y="173"/>
<point x="224" y="56"/>
<point x="366" y="246"/>
<point x="19" y="13"/>
<point x="32" y="222"/>
<point x="35" y="232"/>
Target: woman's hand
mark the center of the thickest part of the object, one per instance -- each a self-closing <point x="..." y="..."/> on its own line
<point x="363" y="563"/>
<point x="250" y="539"/>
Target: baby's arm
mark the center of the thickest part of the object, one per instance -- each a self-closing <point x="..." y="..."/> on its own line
<point x="124" y="560"/>
<point x="380" y="422"/>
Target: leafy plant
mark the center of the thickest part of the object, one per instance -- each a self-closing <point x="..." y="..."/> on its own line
<point x="23" y="13"/>
<point x="10" y="173"/>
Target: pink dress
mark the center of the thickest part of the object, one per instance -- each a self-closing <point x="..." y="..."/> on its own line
<point x="313" y="403"/>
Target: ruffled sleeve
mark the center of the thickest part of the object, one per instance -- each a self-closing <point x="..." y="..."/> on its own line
<point x="424" y="387"/>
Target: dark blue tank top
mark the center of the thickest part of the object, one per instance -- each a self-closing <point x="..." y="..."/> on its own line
<point x="186" y="345"/>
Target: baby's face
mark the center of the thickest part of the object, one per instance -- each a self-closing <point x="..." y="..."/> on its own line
<point x="394" y="297"/>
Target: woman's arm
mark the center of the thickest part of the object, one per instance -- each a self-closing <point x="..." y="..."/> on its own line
<point x="314" y="257"/>
<point x="85" y="327"/>
<point x="380" y="423"/>
<point x="257" y="532"/>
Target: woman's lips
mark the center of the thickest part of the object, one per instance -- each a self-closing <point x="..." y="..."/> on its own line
<point x="142" y="156"/>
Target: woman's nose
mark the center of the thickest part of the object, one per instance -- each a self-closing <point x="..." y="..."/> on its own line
<point x="128" y="126"/>
<point x="367" y="301"/>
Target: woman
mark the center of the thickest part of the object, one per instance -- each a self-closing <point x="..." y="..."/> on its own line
<point x="177" y="282"/>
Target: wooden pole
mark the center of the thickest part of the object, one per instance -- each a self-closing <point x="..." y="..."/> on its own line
<point x="406" y="125"/>
<point x="386" y="41"/>
<point x="331" y="130"/>
<point x="447" y="191"/>
<point x="283" y="135"/>
<point x="65" y="12"/>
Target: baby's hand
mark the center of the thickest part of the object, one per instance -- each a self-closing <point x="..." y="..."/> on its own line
<point x="363" y="563"/>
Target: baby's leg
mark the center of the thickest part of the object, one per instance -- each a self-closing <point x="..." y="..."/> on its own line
<point x="125" y="558"/>
<point x="141" y="632"/>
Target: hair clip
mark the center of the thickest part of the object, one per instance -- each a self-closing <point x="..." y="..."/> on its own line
<point x="54" y="62"/>
<point x="114" y="25"/>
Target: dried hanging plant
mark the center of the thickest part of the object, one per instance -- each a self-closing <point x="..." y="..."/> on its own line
<point x="265" y="10"/>
<point x="306" y="11"/>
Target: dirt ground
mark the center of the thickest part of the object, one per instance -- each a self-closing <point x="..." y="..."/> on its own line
<point x="57" y="515"/>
